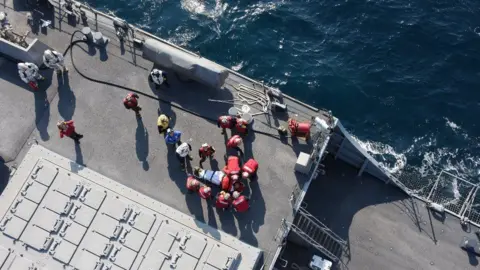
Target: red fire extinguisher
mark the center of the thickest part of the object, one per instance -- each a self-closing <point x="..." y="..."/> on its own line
<point x="299" y="129"/>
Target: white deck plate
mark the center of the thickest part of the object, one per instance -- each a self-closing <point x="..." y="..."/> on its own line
<point x="83" y="221"/>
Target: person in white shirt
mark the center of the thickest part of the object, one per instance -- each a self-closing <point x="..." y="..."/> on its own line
<point x="29" y="74"/>
<point x="182" y="152"/>
<point x="53" y="59"/>
<point x="158" y="77"/>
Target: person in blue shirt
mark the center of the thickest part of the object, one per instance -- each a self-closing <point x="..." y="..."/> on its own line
<point x="173" y="137"/>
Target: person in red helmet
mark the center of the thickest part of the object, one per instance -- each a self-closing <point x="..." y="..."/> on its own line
<point x="205" y="192"/>
<point x="240" y="203"/>
<point x="206" y="151"/>
<point x="193" y="184"/>
<point x="226" y="183"/>
<point x="242" y="126"/>
<point x="223" y="200"/>
<point x="131" y="103"/>
<point x="233" y="166"/>
<point x="67" y="128"/>
<point x="249" y="169"/>
<point x="226" y="121"/>
<point x="234" y="142"/>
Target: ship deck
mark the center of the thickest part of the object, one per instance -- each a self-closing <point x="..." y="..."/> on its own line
<point x="130" y="150"/>
<point x="384" y="228"/>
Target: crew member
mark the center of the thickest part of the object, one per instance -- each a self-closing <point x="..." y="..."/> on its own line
<point x="226" y="121"/>
<point x="131" y="103"/>
<point x="3" y="20"/>
<point x="226" y="183"/>
<point x="29" y="74"/>
<point x="233" y="167"/>
<point x="205" y="151"/>
<point x="205" y="192"/>
<point x="240" y="203"/>
<point x="67" y="128"/>
<point x="183" y="152"/>
<point x="223" y="200"/>
<point x="162" y="123"/>
<point x="238" y="186"/>
<point x="242" y="126"/>
<point x="193" y="184"/>
<point x="53" y="59"/>
<point x="158" y="77"/>
<point x="173" y="137"/>
<point x="250" y="169"/>
<point x="234" y="142"/>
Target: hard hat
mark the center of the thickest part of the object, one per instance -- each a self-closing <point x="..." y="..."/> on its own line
<point x="224" y="120"/>
<point x="48" y="54"/>
<point x="195" y="182"/>
<point x="236" y="194"/>
<point x="207" y="189"/>
<point x="245" y="175"/>
<point x="205" y="145"/>
<point x="226" y="196"/>
<point x="238" y="141"/>
<point x="2" y="16"/>
<point x="169" y="130"/>
<point x="60" y="124"/>
<point x="235" y="177"/>
<point x="21" y="66"/>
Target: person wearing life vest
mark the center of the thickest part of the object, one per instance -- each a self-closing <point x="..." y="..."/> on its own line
<point x="238" y="186"/>
<point x="242" y="126"/>
<point x="54" y="60"/>
<point x="233" y="166"/>
<point x="205" y="151"/>
<point x="183" y="152"/>
<point x="226" y="183"/>
<point x="173" y="137"/>
<point x="249" y="169"/>
<point x="205" y="192"/>
<point x="29" y="74"/>
<point x="234" y="142"/>
<point x="223" y="200"/>
<point x="158" y="77"/>
<point x="131" y="103"/>
<point x="226" y="121"/>
<point x="67" y="128"/>
<point x="193" y="184"/>
<point x="240" y="203"/>
<point x="163" y="122"/>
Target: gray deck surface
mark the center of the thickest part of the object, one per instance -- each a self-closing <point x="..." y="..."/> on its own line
<point x="131" y="151"/>
<point x="385" y="229"/>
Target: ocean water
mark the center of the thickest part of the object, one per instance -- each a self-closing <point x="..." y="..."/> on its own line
<point x="402" y="75"/>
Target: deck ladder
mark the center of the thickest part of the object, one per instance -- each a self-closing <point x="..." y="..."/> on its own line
<point x="318" y="235"/>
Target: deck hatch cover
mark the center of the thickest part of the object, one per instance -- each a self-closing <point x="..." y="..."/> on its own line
<point x="98" y="244"/>
<point x="23" y="208"/>
<point x="58" y="202"/>
<point x="122" y="256"/>
<point x="69" y="185"/>
<point x="88" y="261"/>
<point x="48" y="220"/>
<point x="117" y="209"/>
<point x="62" y="250"/>
<point x="12" y="226"/>
<point x="192" y="243"/>
<point x="132" y="238"/>
<point x="72" y="232"/>
<point x="22" y="263"/>
<point x="141" y="220"/>
<point x="179" y="260"/>
<point x="222" y="257"/>
<point x="107" y="226"/>
<point x="33" y="191"/>
<point x="3" y="255"/>
<point x="44" y="173"/>
<point x="82" y="214"/>
<point x="37" y="238"/>
<point x="92" y="197"/>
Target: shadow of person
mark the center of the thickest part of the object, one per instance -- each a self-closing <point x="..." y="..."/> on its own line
<point x="166" y="108"/>
<point x="42" y="114"/>
<point x="122" y="47"/>
<point x="214" y="164"/>
<point x="141" y="138"/>
<point x="194" y="203"/>
<point x="66" y="97"/>
<point x="78" y="155"/>
<point x="248" y="145"/>
<point x="472" y="258"/>
<point x="4" y="175"/>
<point x="246" y="224"/>
<point x="227" y="221"/>
<point x="257" y="210"/>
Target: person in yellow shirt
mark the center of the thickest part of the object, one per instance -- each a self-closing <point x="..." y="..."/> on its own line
<point x="163" y="122"/>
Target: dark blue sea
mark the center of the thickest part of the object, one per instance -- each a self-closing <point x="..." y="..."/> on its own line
<point x="402" y="75"/>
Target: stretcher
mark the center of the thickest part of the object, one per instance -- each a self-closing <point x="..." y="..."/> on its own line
<point x="214" y="177"/>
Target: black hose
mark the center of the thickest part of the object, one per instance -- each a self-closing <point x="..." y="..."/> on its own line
<point x="212" y="120"/>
